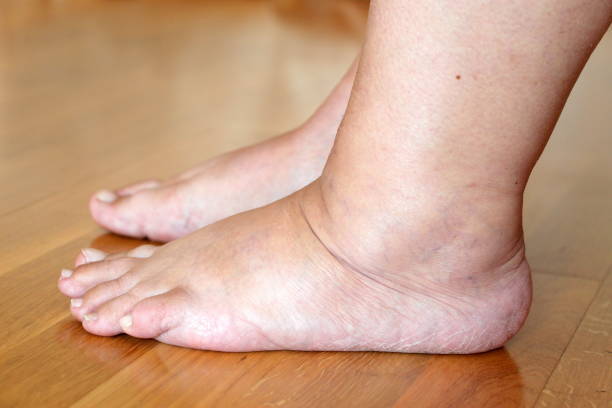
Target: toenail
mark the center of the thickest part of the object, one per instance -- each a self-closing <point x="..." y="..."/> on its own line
<point x="90" y="317"/>
<point x="66" y="273"/>
<point x="106" y="196"/>
<point x="125" y="321"/>
<point x="143" y="251"/>
<point x="76" y="302"/>
<point x="93" y="255"/>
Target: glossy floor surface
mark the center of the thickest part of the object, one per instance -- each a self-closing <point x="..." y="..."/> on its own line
<point x="96" y="94"/>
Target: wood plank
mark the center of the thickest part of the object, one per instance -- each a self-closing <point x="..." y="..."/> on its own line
<point x="30" y="301"/>
<point x="63" y="364"/>
<point x="583" y="377"/>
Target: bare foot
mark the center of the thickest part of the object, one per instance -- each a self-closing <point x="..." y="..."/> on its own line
<point x="232" y="183"/>
<point x="229" y="184"/>
<point x="284" y="277"/>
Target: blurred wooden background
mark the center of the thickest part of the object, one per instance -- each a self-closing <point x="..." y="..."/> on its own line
<point x="99" y="93"/>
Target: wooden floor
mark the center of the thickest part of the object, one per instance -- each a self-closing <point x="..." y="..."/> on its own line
<point x="99" y="93"/>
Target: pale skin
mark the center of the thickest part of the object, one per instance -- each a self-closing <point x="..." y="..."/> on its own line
<point x="411" y="238"/>
<point x="235" y="182"/>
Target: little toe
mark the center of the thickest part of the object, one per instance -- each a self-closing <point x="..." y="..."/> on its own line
<point x="76" y="283"/>
<point x="156" y="315"/>
<point x="139" y="186"/>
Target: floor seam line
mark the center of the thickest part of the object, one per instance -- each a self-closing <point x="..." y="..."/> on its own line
<point x="586" y="310"/>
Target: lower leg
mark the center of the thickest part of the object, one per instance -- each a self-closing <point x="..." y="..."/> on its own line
<point x="452" y="105"/>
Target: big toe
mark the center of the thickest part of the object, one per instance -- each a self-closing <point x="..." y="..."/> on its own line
<point x="138" y="215"/>
<point x="140" y="186"/>
<point x="155" y="316"/>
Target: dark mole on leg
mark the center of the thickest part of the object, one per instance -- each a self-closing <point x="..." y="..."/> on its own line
<point x="458" y="76"/>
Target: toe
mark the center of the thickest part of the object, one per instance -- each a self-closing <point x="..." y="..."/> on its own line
<point x="156" y="315"/>
<point x="136" y="187"/>
<point x="148" y="213"/>
<point x="76" y="283"/>
<point x="143" y="251"/>
<point x="104" y="321"/>
<point x="122" y="215"/>
<point x="89" y="255"/>
<point x="93" y="299"/>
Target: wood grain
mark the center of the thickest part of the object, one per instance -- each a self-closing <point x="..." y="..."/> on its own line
<point x="97" y="94"/>
<point x="583" y="377"/>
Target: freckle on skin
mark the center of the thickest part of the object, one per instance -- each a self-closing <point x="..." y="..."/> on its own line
<point x="458" y="76"/>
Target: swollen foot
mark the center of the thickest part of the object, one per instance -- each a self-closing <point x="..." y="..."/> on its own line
<point x="235" y="182"/>
<point x="285" y="277"/>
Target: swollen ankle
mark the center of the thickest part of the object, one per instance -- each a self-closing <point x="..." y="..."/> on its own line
<point x="473" y="271"/>
<point x="404" y="228"/>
